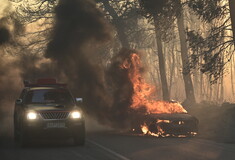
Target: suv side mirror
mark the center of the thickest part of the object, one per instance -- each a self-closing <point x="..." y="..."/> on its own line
<point x="79" y="100"/>
<point x="18" y="101"/>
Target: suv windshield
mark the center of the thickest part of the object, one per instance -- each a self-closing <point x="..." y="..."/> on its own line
<point x="45" y="96"/>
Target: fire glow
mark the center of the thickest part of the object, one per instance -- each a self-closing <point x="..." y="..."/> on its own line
<point x="142" y="91"/>
<point x="143" y="96"/>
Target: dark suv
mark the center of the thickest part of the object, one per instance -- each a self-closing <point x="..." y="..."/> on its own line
<point x="47" y="109"/>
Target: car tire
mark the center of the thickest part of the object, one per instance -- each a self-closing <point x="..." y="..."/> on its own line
<point x="23" y="141"/>
<point x="79" y="138"/>
<point x="16" y="136"/>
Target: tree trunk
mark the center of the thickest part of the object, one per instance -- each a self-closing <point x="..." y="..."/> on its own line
<point x="118" y="24"/>
<point x="188" y="85"/>
<point x="217" y="91"/>
<point x="232" y="70"/>
<point x="172" y="68"/>
<point x="222" y="87"/>
<point x="232" y="15"/>
<point x="201" y="93"/>
<point x="165" y="92"/>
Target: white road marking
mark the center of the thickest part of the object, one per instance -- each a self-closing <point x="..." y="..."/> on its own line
<point x="108" y="150"/>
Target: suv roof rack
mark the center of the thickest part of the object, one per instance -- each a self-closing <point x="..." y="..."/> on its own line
<point x="44" y="82"/>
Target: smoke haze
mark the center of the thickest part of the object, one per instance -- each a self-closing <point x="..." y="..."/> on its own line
<point x="7" y="71"/>
<point x="71" y="56"/>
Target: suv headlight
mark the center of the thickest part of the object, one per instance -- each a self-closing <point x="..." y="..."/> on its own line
<point x="76" y="115"/>
<point x="31" y="115"/>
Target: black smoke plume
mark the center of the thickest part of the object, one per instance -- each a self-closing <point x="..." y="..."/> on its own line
<point x="78" y="23"/>
<point x="121" y="89"/>
<point x="120" y="84"/>
<point x="4" y="35"/>
<point x="80" y="28"/>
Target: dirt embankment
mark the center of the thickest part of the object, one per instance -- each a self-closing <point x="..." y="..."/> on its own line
<point x="216" y="122"/>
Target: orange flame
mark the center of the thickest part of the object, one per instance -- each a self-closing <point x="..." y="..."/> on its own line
<point x="143" y="92"/>
<point x="160" y="132"/>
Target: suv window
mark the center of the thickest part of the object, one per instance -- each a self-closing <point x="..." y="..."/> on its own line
<point x="45" y="96"/>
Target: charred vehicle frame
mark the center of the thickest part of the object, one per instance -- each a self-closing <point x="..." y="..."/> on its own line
<point x="175" y="124"/>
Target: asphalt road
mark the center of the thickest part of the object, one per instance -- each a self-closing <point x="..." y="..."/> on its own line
<point x="112" y="145"/>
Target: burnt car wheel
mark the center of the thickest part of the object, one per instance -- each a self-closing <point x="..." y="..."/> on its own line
<point x="79" y="137"/>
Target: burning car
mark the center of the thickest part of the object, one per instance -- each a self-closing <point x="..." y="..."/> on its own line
<point x="166" y="123"/>
<point x="47" y="109"/>
<point x="176" y="125"/>
<point x="158" y="118"/>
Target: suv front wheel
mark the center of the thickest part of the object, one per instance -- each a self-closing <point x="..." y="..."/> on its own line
<point x="79" y="136"/>
<point x="23" y="136"/>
